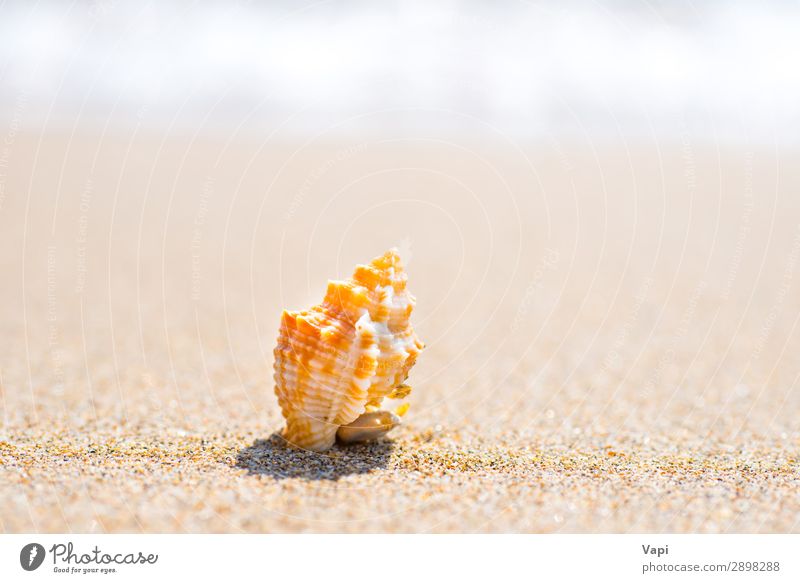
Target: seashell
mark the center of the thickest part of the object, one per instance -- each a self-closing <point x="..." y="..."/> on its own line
<point x="336" y="362"/>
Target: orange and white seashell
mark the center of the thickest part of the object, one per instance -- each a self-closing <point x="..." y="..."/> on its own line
<point x="337" y="361"/>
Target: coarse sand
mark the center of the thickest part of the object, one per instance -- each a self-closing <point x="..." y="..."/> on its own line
<point x="612" y="340"/>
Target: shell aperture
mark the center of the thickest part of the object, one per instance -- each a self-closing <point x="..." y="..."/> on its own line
<point x="338" y="360"/>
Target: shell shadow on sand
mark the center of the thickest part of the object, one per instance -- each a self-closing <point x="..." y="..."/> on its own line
<point x="275" y="458"/>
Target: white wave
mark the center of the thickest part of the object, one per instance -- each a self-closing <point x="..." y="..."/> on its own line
<point x="722" y="70"/>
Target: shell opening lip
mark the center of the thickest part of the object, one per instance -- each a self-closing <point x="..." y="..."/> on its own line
<point x="368" y="427"/>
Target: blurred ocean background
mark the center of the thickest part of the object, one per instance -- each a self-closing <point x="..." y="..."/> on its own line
<point x="721" y="71"/>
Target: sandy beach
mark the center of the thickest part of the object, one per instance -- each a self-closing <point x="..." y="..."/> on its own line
<point x="611" y="333"/>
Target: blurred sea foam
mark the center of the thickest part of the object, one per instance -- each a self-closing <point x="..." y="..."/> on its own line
<point x="725" y="71"/>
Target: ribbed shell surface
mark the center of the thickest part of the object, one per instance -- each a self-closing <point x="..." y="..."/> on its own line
<point x="343" y="356"/>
